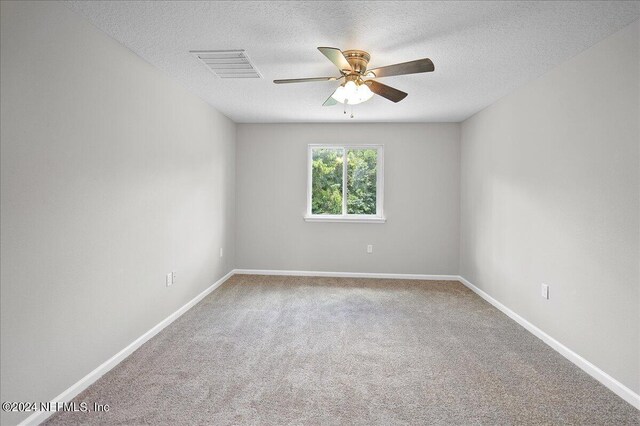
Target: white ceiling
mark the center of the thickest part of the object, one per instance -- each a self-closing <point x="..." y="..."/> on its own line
<point x="481" y="50"/>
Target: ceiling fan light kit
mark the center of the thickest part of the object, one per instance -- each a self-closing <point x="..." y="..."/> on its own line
<point x="352" y="93"/>
<point x="359" y="83"/>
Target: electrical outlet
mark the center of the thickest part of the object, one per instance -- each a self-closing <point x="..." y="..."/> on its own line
<point x="221" y="254"/>
<point x="169" y="279"/>
<point x="545" y="291"/>
<point x="370" y="248"/>
<point x="173" y="277"/>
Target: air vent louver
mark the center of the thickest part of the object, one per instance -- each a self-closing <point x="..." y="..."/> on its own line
<point x="227" y="63"/>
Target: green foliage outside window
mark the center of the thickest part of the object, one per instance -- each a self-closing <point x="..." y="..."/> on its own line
<point x="361" y="181"/>
<point x="326" y="184"/>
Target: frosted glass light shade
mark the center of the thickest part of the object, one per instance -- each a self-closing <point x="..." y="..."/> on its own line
<point x="352" y="94"/>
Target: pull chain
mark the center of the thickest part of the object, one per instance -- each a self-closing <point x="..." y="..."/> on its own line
<point x="351" y="111"/>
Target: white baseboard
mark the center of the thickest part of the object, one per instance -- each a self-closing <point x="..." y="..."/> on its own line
<point x="346" y="274"/>
<point x="618" y="388"/>
<point x="86" y="381"/>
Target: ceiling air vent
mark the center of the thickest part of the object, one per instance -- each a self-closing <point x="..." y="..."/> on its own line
<point x="227" y="63"/>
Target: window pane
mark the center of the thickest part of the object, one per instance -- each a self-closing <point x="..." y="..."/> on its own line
<point x="361" y="181"/>
<point x="326" y="182"/>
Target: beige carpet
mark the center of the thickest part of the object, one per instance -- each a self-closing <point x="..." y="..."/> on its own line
<point x="333" y="351"/>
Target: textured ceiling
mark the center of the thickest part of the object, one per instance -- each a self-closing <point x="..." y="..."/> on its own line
<point x="481" y="50"/>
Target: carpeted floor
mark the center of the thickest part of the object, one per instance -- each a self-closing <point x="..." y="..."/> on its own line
<point x="306" y="351"/>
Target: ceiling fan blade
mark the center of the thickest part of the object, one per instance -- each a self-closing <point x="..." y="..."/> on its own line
<point x="385" y="91"/>
<point x="336" y="56"/>
<point x="330" y="101"/>
<point x="306" y="80"/>
<point x="412" y="67"/>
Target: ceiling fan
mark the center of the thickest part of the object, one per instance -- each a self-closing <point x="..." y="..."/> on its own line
<point x="359" y="84"/>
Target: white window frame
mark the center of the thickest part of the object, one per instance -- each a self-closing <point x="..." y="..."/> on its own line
<point x="349" y="218"/>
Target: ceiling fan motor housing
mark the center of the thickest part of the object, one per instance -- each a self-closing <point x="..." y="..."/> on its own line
<point x="358" y="59"/>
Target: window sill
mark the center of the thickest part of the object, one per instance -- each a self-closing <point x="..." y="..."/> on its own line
<point x="345" y="219"/>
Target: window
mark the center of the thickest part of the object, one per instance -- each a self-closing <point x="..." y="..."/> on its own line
<point x="345" y="183"/>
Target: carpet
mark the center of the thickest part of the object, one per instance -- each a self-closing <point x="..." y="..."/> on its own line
<point x="273" y="350"/>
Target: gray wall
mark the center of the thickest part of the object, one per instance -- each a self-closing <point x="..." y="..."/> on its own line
<point x="550" y="194"/>
<point x="112" y="176"/>
<point x="421" y="200"/>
